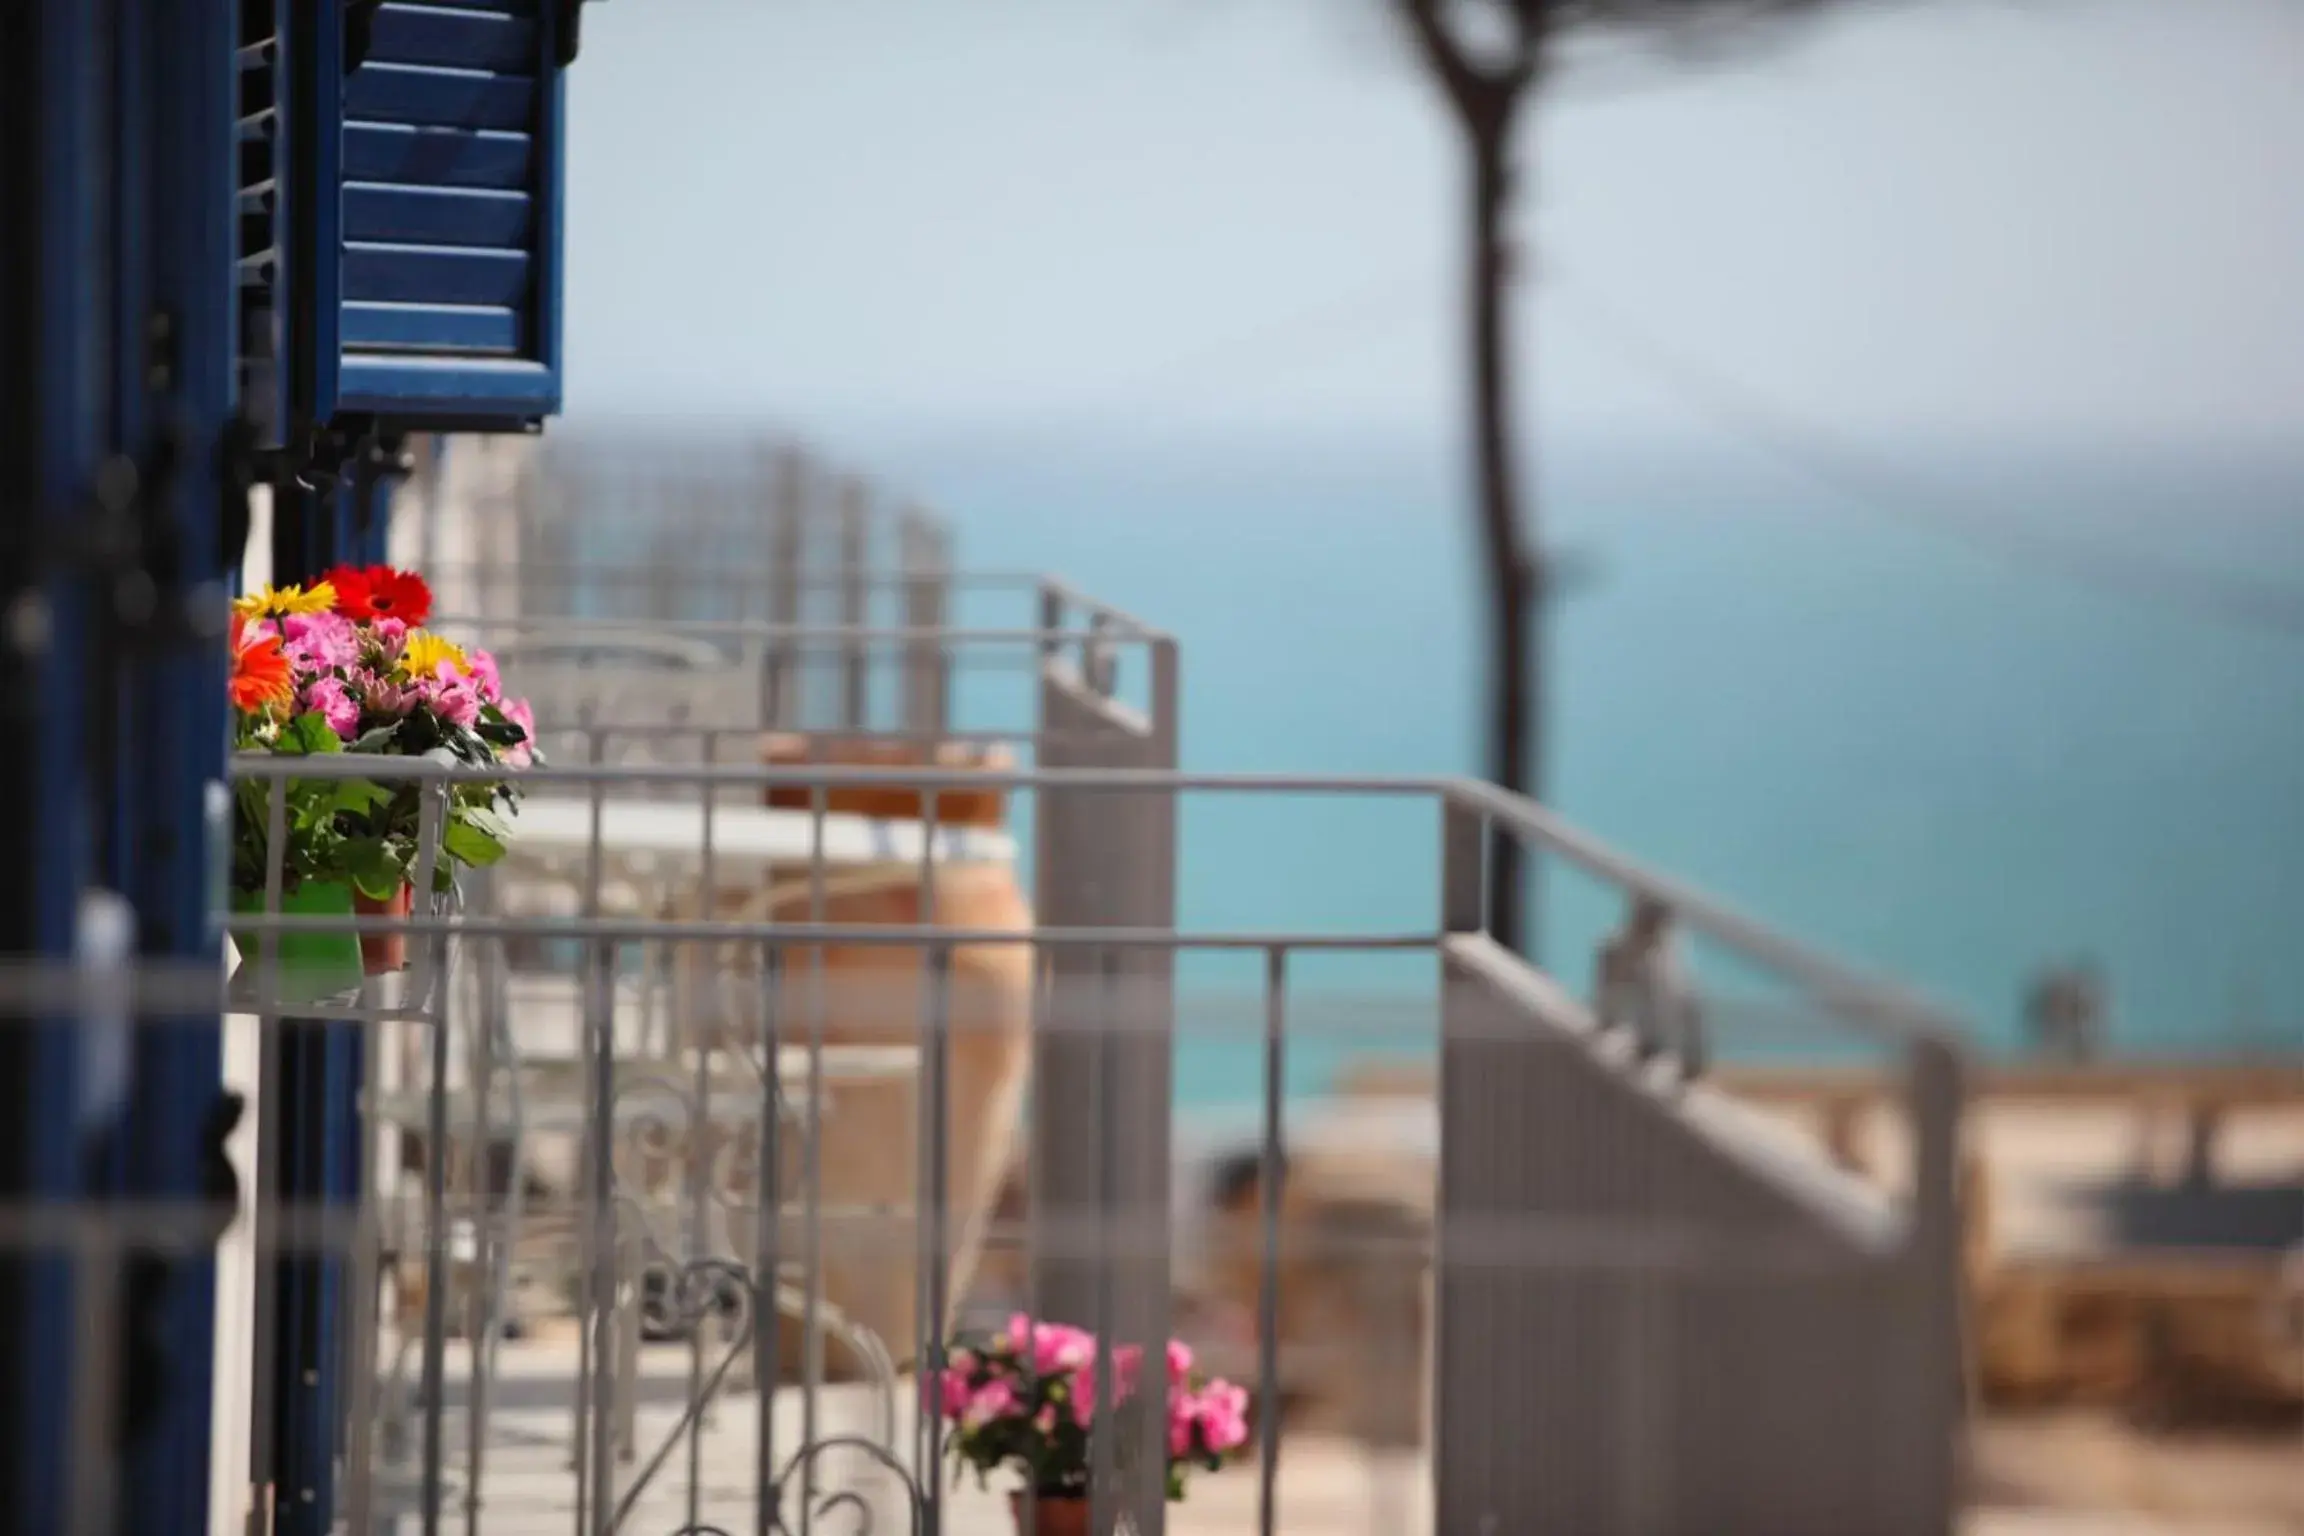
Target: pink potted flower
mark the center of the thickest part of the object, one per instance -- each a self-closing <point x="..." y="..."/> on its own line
<point x="1026" y="1400"/>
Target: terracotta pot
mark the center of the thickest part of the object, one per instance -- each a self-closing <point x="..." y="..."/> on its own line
<point x="383" y="953"/>
<point x="1050" y="1516"/>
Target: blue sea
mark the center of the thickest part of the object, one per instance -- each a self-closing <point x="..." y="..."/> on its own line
<point x="1941" y="729"/>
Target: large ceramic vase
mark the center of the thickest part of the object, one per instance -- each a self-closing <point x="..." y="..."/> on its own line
<point x="382" y="953"/>
<point x="1049" y="1515"/>
<point x="876" y="995"/>
<point x="312" y="965"/>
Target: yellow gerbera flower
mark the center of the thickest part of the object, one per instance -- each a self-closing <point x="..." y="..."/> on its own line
<point x="278" y="602"/>
<point x="422" y="655"/>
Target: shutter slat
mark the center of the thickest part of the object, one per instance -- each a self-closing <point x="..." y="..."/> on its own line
<point x="409" y="215"/>
<point x="382" y="381"/>
<point x="433" y="327"/>
<point x="435" y="157"/>
<point x="440" y="97"/>
<point x="514" y="7"/>
<point x="430" y="34"/>
<point x="433" y="274"/>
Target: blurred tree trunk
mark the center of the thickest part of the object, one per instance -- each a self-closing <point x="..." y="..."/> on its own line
<point x="1487" y="76"/>
<point x="1507" y="528"/>
<point x="1486" y="97"/>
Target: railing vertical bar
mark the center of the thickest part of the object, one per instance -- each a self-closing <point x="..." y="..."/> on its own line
<point x="264" y="1401"/>
<point x="936" y="1091"/>
<point x="490" y="1246"/>
<point x="1463" y="864"/>
<point x="812" y="1170"/>
<point x="97" y="1317"/>
<point x="715" y="1028"/>
<point x="99" y="1252"/>
<point x="429" y="828"/>
<point x="699" y="1153"/>
<point x="606" y="1258"/>
<point x="928" y="1161"/>
<point x="1272" y="1182"/>
<point x="1935" y="1259"/>
<point x="1035" y="1191"/>
<point x="360" y="1333"/>
<point x="767" y="1242"/>
<point x="1104" y="1502"/>
<point x="587" y="1235"/>
<point x="600" y="1033"/>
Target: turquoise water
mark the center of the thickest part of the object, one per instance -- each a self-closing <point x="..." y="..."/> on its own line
<point x="1944" y="763"/>
<point x="1947" y="764"/>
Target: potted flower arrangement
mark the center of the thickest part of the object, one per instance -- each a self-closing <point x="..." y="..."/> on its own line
<point x="1025" y="1399"/>
<point x="344" y="665"/>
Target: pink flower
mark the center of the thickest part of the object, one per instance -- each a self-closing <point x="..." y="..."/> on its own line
<point x="1221" y="1412"/>
<point x="451" y="696"/>
<point x="1057" y="1349"/>
<point x="336" y="705"/>
<point x="1045" y="1420"/>
<point x="954" y="1394"/>
<point x="1179" y="1362"/>
<point x="1181" y="1423"/>
<point x="994" y="1400"/>
<point x="518" y="712"/>
<point x="321" y="641"/>
<point x="382" y="696"/>
<point x="485" y="677"/>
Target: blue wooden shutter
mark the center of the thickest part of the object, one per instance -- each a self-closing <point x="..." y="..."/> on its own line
<point x="436" y="267"/>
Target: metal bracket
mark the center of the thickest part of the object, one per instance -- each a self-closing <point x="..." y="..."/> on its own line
<point x="571" y="31"/>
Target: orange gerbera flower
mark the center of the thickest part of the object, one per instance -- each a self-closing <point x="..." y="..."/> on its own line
<point x="367" y="593"/>
<point x="259" y="669"/>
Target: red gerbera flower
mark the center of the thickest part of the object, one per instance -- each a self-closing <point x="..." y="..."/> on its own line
<point x="367" y="593"/>
<point x="259" y="669"/>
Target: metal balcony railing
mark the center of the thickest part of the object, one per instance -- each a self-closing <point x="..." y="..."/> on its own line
<point x="1651" y="1310"/>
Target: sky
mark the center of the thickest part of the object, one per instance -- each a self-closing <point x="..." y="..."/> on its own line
<point x="2030" y="218"/>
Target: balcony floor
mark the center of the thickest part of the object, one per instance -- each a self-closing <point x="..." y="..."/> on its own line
<point x="1328" y="1487"/>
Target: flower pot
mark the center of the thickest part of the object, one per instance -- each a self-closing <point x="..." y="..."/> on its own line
<point x="312" y="965"/>
<point x="1050" y="1515"/>
<point x="383" y="953"/>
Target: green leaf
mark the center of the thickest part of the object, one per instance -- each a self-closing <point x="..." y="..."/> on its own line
<point x="374" y="867"/>
<point x="470" y="845"/>
<point x="487" y="822"/>
<point x="311" y="736"/>
<point x="358" y="796"/>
